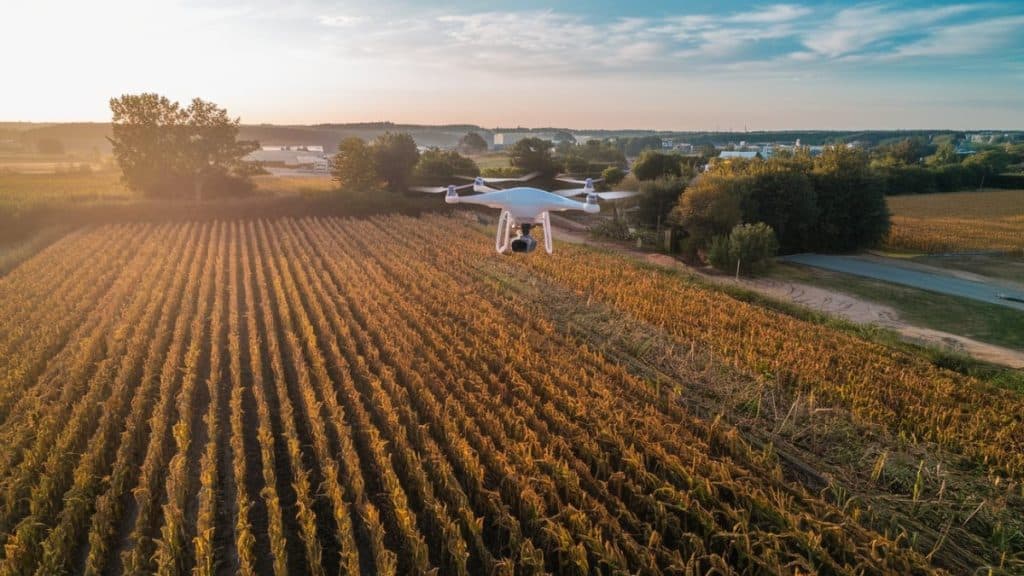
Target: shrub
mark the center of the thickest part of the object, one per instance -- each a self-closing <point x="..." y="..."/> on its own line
<point x="653" y="165"/>
<point x="657" y="200"/>
<point x="613" y="175"/>
<point x="753" y="245"/>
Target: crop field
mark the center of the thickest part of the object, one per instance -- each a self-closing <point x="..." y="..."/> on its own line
<point x="958" y="222"/>
<point x="21" y="192"/>
<point x="389" y="396"/>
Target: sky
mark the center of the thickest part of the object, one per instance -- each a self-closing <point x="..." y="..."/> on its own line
<point x="602" y="64"/>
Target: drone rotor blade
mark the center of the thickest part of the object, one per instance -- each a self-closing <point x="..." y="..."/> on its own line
<point x="575" y="181"/>
<point x="429" y="189"/>
<point x="616" y="195"/>
<point x="570" y="192"/>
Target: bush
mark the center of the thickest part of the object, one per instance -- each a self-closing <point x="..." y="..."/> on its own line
<point x="653" y="165"/>
<point x="657" y="200"/>
<point x="711" y="207"/>
<point x="752" y="245"/>
<point x="613" y="175"/>
<point x="612" y="228"/>
<point x="441" y="166"/>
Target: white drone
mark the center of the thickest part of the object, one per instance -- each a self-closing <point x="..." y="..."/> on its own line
<point x="525" y="206"/>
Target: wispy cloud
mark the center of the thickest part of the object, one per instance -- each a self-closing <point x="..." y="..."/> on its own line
<point x="778" y="35"/>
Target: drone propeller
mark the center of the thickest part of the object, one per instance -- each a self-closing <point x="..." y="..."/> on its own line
<point x="438" y="189"/>
<point x="485" y="180"/>
<point x="575" y="181"/>
<point x="615" y="195"/>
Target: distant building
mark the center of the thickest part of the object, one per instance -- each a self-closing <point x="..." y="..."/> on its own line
<point x="505" y="139"/>
<point x="684" y="147"/>
<point x="667" y="143"/>
<point x="740" y="154"/>
<point x="298" y="157"/>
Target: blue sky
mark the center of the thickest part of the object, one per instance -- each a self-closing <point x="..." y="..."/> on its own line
<point x="614" y="64"/>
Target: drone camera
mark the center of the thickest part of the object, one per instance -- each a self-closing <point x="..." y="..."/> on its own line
<point x="524" y="245"/>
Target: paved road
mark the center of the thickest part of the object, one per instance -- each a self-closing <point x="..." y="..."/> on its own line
<point x="933" y="282"/>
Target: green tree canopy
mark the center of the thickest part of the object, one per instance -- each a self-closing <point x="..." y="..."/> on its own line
<point x="653" y="164"/>
<point x="533" y="155"/>
<point x="711" y="207"/>
<point x="748" y="247"/>
<point x="851" y="201"/>
<point x="164" y="149"/>
<point x="353" y="167"/>
<point x="441" y="166"/>
<point x="944" y="154"/>
<point x="395" y="155"/>
<point x="473" y="143"/>
<point x="613" y="175"/>
<point x="657" y="199"/>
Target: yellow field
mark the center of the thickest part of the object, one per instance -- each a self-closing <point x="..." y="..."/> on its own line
<point x="958" y="222"/>
<point x="20" y="192"/>
<point x="327" y="396"/>
<point x="294" y="185"/>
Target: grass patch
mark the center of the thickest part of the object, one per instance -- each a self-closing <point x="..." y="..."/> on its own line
<point x="20" y="193"/>
<point x="981" y="321"/>
<point x="1000" y="267"/>
<point x="492" y="160"/>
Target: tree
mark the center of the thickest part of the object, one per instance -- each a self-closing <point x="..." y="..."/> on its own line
<point x="748" y="247"/>
<point x="395" y="155"/>
<point x="653" y="164"/>
<point x="710" y="207"/>
<point x="441" y="166"/>
<point x="612" y="175"/>
<point x="782" y="196"/>
<point x="575" y="164"/>
<point x="533" y="155"/>
<point x="473" y="143"/>
<point x="354" y="167"/>
<point x="164" y="149"/>
<point x="657" y="199"/>
<point x="944" y="154"/>
<point x="851" y="201"/>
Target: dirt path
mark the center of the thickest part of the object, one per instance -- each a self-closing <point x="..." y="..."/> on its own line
<point x="821" y="300"/>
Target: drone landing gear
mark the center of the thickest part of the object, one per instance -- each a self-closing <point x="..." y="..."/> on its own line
<point x="524" y="243"/>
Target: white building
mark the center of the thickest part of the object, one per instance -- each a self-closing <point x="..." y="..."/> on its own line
<point x="739" y="154"/>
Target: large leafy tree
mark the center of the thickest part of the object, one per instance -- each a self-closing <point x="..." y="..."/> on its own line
<point x="473" y="143"/>
<point x="712" y="206"/>
<point x="533" y="155"/>
<point x="653" y="165"/>
<point x="165" y="149"/>
<point x="441" y="166"/>
<point x="851" y="201"/>
<point x="395" y="155"/>
<point x="353" y="167"/>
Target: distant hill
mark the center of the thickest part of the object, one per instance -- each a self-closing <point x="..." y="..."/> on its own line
<point x="92" y="136"/>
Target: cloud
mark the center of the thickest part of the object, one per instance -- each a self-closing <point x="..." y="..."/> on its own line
<point x="341" y="20"/>
<point x="785" y="38"/>
<point x="772" y="14"/>
<point x="975" y="38"/>
<point x="868" y="27"/>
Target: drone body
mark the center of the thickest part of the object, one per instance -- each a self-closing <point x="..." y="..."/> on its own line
<point x="525" y="207"/>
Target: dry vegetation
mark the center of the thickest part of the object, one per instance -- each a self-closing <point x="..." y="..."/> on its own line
<point x="342" y="396"/>
<point x="958" y="222"/>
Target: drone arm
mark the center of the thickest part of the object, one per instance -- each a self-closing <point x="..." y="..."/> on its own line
<point x="548" y="233"/>
<point x="502" y="239"/>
